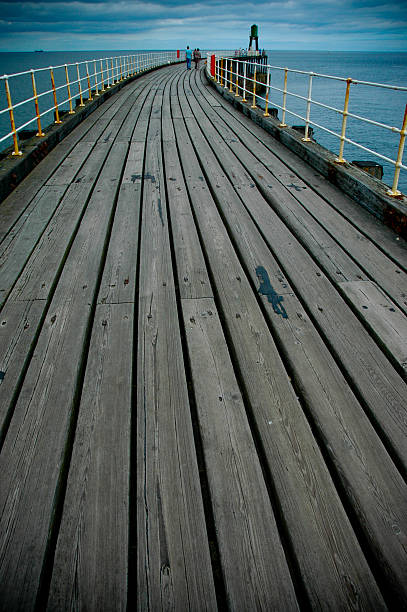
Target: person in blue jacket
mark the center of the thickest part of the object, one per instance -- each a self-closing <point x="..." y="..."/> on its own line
<point x="188" y="57"/>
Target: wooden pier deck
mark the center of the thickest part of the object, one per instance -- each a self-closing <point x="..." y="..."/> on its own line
<point x="203" y="357"/>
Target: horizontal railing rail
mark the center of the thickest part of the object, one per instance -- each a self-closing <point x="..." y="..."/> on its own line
<point x="242" y="78"/>
<point x="57" y="89"/>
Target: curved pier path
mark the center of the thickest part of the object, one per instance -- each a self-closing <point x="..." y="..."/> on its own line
<point x="203" y="355"/>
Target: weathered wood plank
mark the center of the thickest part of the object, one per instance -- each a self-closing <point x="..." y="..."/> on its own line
<point x="90" y="569"/>
<point x="252" y="557"/>
<point x="21" y="241"/>
<point x="354" y="447"/>
<point x="312" y="512"/>
<point x="36" y="279"/>
<point x="193" y="280"/>
<point x="382" y="389"/>
<point x="66" y="172"/>
<point x="173" y="564"/>
<point x="20" y="198"/>
<point x="35" y="448"/>
<point x="371" y="260"/>
<point x="384" y="238"/>
<point x="387" y="321"/>
<point x="18" y="327"/>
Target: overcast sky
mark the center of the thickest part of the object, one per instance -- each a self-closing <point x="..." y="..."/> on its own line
<point x="336" y="25"/>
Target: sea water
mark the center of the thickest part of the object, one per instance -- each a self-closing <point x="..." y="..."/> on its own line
<point x="377" y="104"/>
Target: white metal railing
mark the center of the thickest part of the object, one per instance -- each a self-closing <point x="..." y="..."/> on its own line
<point x="241" y="77"/>
<point x="69" y="84"/>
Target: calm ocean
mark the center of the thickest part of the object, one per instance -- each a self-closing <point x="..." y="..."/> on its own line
<point x="381" y="105"/>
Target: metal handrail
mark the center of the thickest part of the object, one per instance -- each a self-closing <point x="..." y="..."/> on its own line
<point x="93" y="76"/>
<point x="222" y="71"/>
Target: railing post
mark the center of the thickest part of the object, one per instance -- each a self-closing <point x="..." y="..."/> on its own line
<point x="108" y="74"/>
<point x="254" y="88"/>
<point x="393" y="192"/>
<point x="37" y="109"/>
<point x="88" y="78"/>
<point x="283" y="123"/>
<point x="340" y="159"/>
<point x="68" y="88"/>
<point x="113" y="75"/>
<point x="121" y="70"/>
<point x="306" y="138"/>
<point x="237" y="80"/>
<point x="231" y="76"/>
<point x="244" y="82"/>
<point x="13" y="125"/>
<point x="79" y="85"/>
<point x="57" y="119"/>
<point x="221" y="72"/>
<point x="96" y="79"/>
<point x="102" y="76"/>
<point x="266" y="111"/>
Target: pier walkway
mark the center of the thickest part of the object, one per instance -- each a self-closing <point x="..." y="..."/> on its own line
<point x="203" y="356"/>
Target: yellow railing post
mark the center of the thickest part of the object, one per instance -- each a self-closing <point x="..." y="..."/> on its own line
<point x="37" y="109"/>
<point x="88" y="77"/>
<point x="244" y="82"/>
<point x="237" y="79"/>
<point x="12" y="123"/>
<point x="113" y="75"/>
<point x="254" y="89"/>
<point x="96" y="79"/>
<point x="231" y="76"/>
<point x="283" y="123"/>
<point x="102" y="76"/>
<point x="393" y="192"/>
<point x="340" y="159"/>
<point x="79" y="85"/>
<point x="68" y="87"/>
<point x="226" y="74"/>
<point x="54" y="91"/>
<point x="266" y="110"/>
<point x="121" y="72"/>
<point x="221" y="72"/>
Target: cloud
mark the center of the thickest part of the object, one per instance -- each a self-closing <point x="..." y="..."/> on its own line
<point x="213" y="24"/>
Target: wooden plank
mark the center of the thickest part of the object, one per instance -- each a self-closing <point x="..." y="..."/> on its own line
<point x="386" y="321"/>
<point x="90" y="569"/>
<point x="384" y="238"/>
<point x="38" y="438"/>
<point x="119" y="275"/>
<point x="193" y="280"/>
<point x="337" y="263"/>
<point x="18" y="328"/>
<point x="35" y="281"/>
<point x="372" y="261"/>
<point x="251" y="554"/>
<point x="382" y="389"/>
<point x="313" y="514"/>
<point x="16" y="202"/>
<point x="349" y="438"/>
<point x="21" y="241"/>
<point x="66" y="172"/>
<point x="173" y="563"/>
<point x="252" y="557"/>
